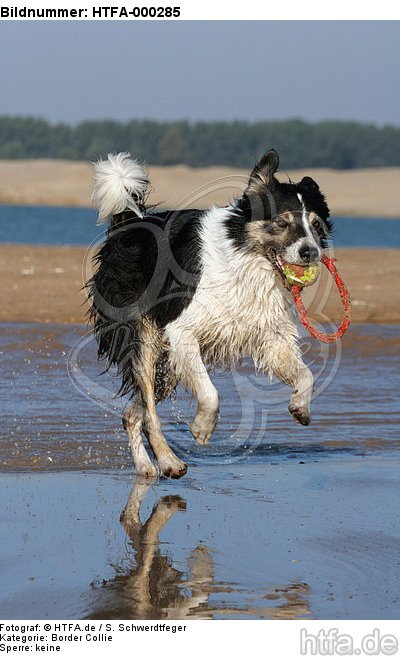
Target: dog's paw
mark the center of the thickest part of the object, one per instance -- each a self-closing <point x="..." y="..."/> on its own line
<point x="201" y="435"/>
<point x="147" y="470"/>
<point x="202" y="428"/>
<point x="172" y="467"/>
<point x="302" y="414"/>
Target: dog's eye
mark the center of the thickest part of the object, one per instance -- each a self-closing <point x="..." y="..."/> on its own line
<point x="280" y="224"/>
<point x="316" y="224"/>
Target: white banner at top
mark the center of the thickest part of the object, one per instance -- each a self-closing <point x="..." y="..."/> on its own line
<point x="171" y="10"/>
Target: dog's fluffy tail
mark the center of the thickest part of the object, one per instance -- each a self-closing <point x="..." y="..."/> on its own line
<point x="120" y="183"/>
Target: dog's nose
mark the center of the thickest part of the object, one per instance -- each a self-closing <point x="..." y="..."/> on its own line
<point x="308" y="253"/>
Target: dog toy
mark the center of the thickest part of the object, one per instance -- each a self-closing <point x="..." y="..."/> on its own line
<point x="303" y="276"/>
<point x="344" y="295"/>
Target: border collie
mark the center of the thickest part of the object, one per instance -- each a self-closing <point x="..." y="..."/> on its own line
<point x="177" y="292"/>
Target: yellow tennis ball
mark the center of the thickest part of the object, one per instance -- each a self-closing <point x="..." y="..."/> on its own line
<point x="303" y="276"/>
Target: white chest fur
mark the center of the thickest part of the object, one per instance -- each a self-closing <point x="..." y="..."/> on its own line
<point x="239" y="308"/>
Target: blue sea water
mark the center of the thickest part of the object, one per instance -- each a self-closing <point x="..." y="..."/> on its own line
<point x="77" y="226"/>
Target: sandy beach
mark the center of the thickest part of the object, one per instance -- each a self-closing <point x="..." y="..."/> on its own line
<point x="364" y="192"/>
<point x="58" y="271"/>
<point x="44" y="284"/>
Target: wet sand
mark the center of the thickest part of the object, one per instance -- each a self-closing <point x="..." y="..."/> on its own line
<point x="272" y="521"/>
<point x="44" y="284"/>
<point x="363" y="192"/>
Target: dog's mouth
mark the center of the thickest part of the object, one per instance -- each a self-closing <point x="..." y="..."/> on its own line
<point x="278" y="261"/>
<point x="293" y="273"/>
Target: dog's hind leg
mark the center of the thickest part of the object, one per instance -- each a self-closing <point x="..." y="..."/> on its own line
<point x="145" y="370"/>
<point x="132" y="422"/>
<point x="287" y="365"/>
<point x="186" y="360"/>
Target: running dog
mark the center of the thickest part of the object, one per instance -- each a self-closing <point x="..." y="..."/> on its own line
<point x="177" y="292"/>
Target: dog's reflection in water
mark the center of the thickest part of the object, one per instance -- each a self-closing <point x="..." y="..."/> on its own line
<point x="153" y="587"/>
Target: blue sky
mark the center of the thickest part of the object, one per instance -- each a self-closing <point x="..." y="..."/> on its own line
<point x="205" y="70"/>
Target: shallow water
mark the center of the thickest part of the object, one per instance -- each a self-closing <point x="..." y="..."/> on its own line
<point x="273" y="520"/>
<point x="52" y="421"/>
<point x="256" y="541"/>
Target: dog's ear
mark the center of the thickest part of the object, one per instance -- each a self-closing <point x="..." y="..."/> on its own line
<point x="308" y="183"/>
<point x="263" y="173"/>
<point x="314" y="196"/>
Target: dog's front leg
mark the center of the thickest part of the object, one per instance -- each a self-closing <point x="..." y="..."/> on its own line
<point x="300" y="403"/>
<point x="287" y="365"/>
<point x="185" y="358"/>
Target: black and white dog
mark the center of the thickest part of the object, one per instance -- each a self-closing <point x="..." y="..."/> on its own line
<point x="177" y="292"/>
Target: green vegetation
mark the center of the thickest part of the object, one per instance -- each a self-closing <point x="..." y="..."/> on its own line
<point x="335" y="144"/>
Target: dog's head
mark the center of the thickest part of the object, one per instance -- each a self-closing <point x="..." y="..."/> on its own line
<point x="283" y="221"/>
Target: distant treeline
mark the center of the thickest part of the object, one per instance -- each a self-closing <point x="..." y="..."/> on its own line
<point x="335" y="144"/>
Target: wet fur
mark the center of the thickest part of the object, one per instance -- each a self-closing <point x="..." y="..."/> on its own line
<point x="176" y="292"/>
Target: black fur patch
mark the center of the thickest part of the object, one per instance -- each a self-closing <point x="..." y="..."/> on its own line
<point x="148" y="268"/>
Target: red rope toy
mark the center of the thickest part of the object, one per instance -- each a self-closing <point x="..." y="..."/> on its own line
<point x="344" y="295"/>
